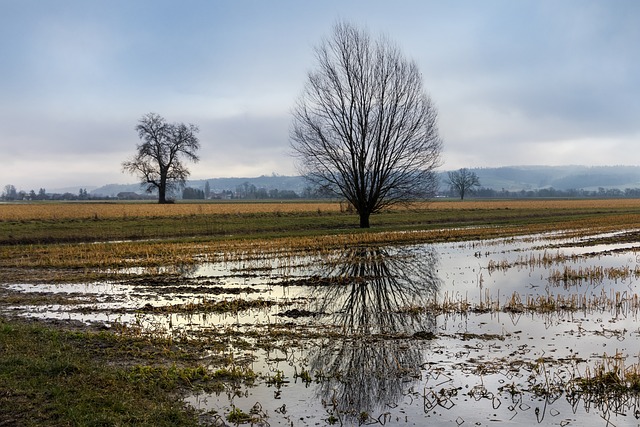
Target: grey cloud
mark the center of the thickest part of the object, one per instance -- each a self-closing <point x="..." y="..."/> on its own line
<point x="246" y="143"/>
<point x="514" y="82"/>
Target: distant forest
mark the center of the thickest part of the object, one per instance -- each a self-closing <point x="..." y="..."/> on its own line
<point x="504" y="182"/>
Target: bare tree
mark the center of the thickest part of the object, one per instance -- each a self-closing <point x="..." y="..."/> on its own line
<point x="10" y="192"/>
<point x="364" y="127"/>
<point x="463" y="181"/>
<point x="158" y="161"/>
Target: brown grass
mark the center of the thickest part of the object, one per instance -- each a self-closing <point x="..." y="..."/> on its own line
<point x="91" y="210"/>
<point x="105" y="257"/>
<point x="116" y="255"/>
<point x="60" y="211"/>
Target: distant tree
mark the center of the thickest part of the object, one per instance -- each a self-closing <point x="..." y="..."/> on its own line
<point x="10" y="192"/>
<point x="159" y="158"/>
<point x="192" y="194"/>
<point x="248" y="191"/>
<point x="364" y="126"/>
<point x="287" y="194"/>
<point x="261" y="193"/>
<point x="320" y="192"/>
<point x="42" y="194"/>
<point x="463" y="181"/>
<point x="207" y="190"/>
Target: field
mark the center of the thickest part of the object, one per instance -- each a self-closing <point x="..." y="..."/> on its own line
<point x="280" y="313"/>
<point x="119" y="210"/>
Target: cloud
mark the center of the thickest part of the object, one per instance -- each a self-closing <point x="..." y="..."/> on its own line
<point x="244" y="145"/>
<point x="514" y="82"/>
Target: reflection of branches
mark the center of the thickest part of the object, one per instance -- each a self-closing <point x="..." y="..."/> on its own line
<point x="370" y="365"/>
<point x="372" y="286"/>
<point x="361" y="376"/>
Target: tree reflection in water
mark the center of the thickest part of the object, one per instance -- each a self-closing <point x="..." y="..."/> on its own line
<point x="375" y="357"/>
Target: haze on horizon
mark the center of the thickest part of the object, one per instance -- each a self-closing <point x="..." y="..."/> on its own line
<point x="515" y="83"/>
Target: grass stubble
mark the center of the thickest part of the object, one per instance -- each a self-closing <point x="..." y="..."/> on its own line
<point x="32" y="249"/>
<point x="51" y="374"/>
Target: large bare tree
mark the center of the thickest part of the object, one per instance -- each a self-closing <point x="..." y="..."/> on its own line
<point x="364" y="126"/>
<point x="159" y="158"/>
<point x="463" y="181"/>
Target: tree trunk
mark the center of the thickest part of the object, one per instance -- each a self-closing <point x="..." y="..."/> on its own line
<point x="162" y="194"/>
<point x="364" y="219"/>
<point x="162" y="188"/>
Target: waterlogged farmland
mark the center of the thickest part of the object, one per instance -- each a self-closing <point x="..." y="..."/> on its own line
<point x="537" y="327"/>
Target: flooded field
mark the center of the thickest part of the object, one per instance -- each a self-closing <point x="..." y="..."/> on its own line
<point x="540" y="329"/>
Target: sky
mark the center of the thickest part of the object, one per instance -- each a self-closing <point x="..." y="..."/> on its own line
<point x="544" y="82"/>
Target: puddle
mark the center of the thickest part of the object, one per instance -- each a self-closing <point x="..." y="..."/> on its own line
<point x="471" y="333"/>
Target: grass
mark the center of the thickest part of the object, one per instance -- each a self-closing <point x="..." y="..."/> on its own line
<point x="55" y="377"/>
<point x="624" y="303"/>
<point x="610" y="376"/>
<point x="593" y="274"/>
<point x="47" y="378"/>
<point x="206" y="306"/>
<point x="61" y="246"/>
<point x="91" y="222"/>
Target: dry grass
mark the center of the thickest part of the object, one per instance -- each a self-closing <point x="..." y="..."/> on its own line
<point x="67" y="211"/>
<point x="610" y="376"/>
<point x="108" y="256"/>
<point x="116" y="255"/>
<point x="45" y="261"/>
<point x="614" y="302"/>
<point x="593" y="274"/>
<point x="538" y="204"/>
<point x="90" y="210"/>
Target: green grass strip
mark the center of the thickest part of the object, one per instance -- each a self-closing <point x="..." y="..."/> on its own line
<point x="48" y="377"/>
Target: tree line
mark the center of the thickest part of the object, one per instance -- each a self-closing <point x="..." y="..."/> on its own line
<point x="10" y="193"/>
<point x="544" y="193"/>
<point x="245" y="191"/>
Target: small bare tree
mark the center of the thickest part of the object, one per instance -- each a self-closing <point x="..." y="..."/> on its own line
<point x="158" y="162"/>
<point x="463" y="181"/>
<point x="364" y="127"/>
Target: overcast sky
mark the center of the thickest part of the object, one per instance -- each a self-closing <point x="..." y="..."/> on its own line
<point x="545" y="82"/>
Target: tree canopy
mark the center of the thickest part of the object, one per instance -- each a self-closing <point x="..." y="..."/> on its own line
<point x="463" y="181"/>
<point x="364" y="127"/>
<point x="159" y="159"/>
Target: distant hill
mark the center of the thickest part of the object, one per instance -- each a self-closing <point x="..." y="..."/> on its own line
<point x="73" y="190"/>
<point x="516" y="178"/>
<point x="511" y="178"/>
<point x="111" y="190"/>
<point x="268" y="182"/>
